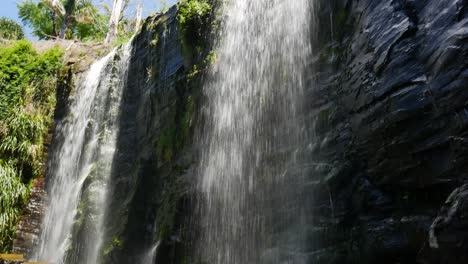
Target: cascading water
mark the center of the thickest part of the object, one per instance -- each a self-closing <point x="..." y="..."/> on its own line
<point x="250" y="209"/>
<point x="150" y="256"/>
<point x="81" y="165"/>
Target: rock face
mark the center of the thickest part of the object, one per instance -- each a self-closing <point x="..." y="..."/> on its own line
<point x="28" y="229"/>
<point x="388" y="108"/>
<point x="449" y="231"/>
<point x="150" y="179"/>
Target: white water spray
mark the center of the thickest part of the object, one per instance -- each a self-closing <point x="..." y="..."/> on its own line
<point x="253" y="133"/>
<point x="81" y="165"/>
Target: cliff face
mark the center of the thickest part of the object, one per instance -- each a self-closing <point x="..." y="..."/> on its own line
<point x="150" y="179"/>
<point x="389" y="118"/>
<point x="387" y="138"/>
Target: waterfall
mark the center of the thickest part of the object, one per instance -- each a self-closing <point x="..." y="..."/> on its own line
<point x="81" y="164"/>
<point x="252" y="140"/>
<point x="150" y="256"/>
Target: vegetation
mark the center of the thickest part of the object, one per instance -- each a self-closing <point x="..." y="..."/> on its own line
<point x="9" y="29"/>
<point x="79" y="19"/>
<point x="72" y="19"/>
<point x="194" y="17"/>
<point x="13" y="195"/>
<point x="115" y="244"/>
<point x="27" y="100"/>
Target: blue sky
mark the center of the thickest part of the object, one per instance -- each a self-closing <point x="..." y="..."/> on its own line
<point x="8" y="8"/>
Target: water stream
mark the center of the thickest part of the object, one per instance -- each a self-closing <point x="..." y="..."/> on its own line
<point x="249" y="172"/>
<point x="80" y="166"/>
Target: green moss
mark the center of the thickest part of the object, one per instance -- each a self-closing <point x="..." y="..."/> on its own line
<point x="165" y="144"/>
<point x="342" y="24"/>
<point x="193" y="18"/>
<point x="193" y="73"/>
<point x="210" y="58"/>
<point x="116" y="243"/>
<point x="323" y="119"/>
<point x="173" y="138"/>
<point x="341" y="17"/>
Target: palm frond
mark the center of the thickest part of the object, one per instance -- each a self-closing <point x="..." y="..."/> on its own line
<point x="56" y="6"/>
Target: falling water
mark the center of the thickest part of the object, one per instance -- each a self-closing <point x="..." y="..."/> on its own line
<point x="251" y="142"/>
<point x="81" y="165"/>
<point x="150" y="256"/>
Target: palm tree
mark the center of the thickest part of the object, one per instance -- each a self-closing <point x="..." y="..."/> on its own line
<point x="68" y="11"/>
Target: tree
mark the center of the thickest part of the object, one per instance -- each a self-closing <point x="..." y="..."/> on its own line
<point x="116" y="14"/>
<point x="9" y="29"/>
<point x="63" y="18"/>
<point x="139" y="12"/>
<point x="41" y="19"/>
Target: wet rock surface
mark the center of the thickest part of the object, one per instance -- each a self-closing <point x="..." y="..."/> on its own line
<point x="151" y="170"/>
<point x="389" y="118"/>
<point x="448" y="236"/>
<point x="28" y="229"/>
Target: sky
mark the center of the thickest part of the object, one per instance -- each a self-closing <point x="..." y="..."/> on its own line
<point x="8" y="9"/>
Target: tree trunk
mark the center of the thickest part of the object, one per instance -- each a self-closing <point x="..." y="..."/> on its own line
<point x="138" y="16"/>
<point x="114" y="21"/>
<point x="65" y="24"/>
<point x="54" y="25"/>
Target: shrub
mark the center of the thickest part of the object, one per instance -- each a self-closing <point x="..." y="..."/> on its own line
<point x="9" y="29"/>
<point x="27" y="101"/>
<point x="193" y="17"/>
<point x="20" y="68"/>
<point x="12" y="197"/>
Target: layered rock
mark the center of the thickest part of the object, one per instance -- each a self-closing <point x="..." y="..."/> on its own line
<point x="449" y="232"/>
<point x="388" y="110"/>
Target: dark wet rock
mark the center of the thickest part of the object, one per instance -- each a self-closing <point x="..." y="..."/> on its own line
<point x="389" y="103"/>
<point x="28" y="229"/>
<point x="448" y="235"/>
<point x="150" y="190"/>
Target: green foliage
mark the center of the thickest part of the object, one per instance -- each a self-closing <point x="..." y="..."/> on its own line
<point x="40" y="18"/>
<point x="193" y="17"/>
<point x="9" y="29"/>
<point x="12" y="197"/>
<point x="84" y="21"/>
<point x="115" y="244"/>
<point x="122" y="39"/>
<point x="27" y="100"/>
<point x="193" y="14"/>
<point x="22" y="137"/>
<point x="21" y="68"/>
<point x="91" y="25"/>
